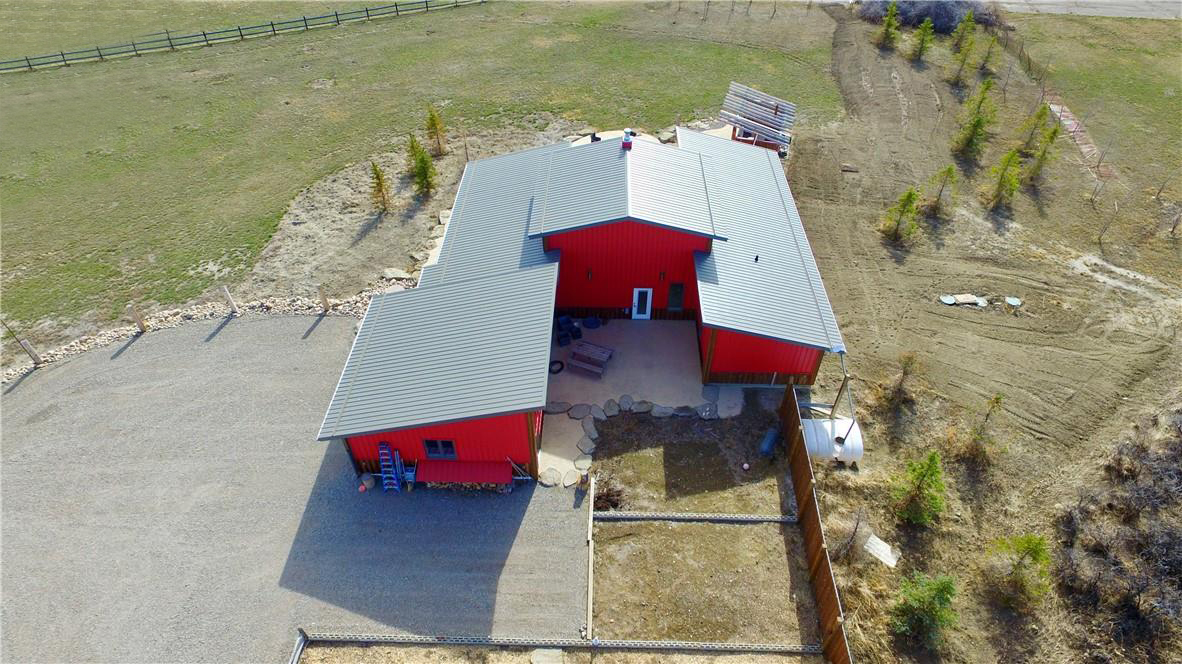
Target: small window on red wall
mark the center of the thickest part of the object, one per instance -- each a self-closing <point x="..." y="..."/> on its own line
<point x="440" y="449"/>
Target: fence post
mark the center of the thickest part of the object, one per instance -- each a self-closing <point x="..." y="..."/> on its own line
<point x="367" y="13"/>
<point x="396" y="9"/>
<point x="168" y="36"/>
<point x="135" y="316"/>
<point x="272" y="28"/>
<point x="134" y="50"/>
<point x="323" y="300"/>
<point x="336" y="16"/>
<point x="230" y="300"/>
<point x="305" y="22"/>
<point x="28" y="63"/>
<point x="240" y="35"/>
<point x="100" y="52"/>
<point x="64" y="60"/>
<point x="206" y="37"/>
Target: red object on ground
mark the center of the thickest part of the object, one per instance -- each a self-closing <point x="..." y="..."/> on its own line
<point x="475" y="472"/>
<point x="600" y="265"/>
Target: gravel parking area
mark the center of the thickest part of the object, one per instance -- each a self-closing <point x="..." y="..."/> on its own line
<point x="164" y="500"/>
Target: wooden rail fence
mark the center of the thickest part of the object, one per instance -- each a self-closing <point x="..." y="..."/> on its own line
<point x="172" y="42"/>
<point x="834" y="645"/>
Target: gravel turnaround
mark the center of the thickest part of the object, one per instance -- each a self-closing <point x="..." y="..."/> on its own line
<point x="164" y="500"/>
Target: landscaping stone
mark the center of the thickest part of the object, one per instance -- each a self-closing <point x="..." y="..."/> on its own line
<point x="589" y="428"/>
<point x="556" y="407"/>
<point x="662" y="411"/>
<point x="597" y="412"/>
<point x="666" y="136"/>
<point x="570" y="478"/>
<point x="685" y="411"/>
<point x="549" y="477"/>
<point x="611" y="408"/>
<point x="583" y="462"/>
<point x="730" y="401"/>
<point x="395" y="273"/>
<point x="579" y="411"/>
<point x="586" y="445"/>
<point x="642" y="406"/>
<point x="708" y="411"/>
<point x="626" y="403"/>
<point x="710" y="393"/>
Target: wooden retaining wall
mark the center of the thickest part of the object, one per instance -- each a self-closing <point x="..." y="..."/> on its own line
<point x="833" y="637"/>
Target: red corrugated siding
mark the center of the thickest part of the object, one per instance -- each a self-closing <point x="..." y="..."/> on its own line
<point x="486" y="439"/>
<point x="738" y="352"/>
<point x="622" y="256"/>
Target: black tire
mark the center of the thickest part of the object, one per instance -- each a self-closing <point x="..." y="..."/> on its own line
<point x="557" y="366"/>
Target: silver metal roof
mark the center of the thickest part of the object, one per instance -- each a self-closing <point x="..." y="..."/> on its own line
<point x="768" y="117"/>
<point x="448" y="352"/>
<point x="598" y="183"/>
<point x="781" y="296"/>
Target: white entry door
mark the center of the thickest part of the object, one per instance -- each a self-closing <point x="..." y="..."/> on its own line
<point x="642" y="303"/>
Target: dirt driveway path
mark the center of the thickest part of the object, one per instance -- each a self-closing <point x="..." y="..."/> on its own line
<point x="166" y="501"/>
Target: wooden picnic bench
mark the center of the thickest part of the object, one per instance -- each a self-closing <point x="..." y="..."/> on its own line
<point x="590" y="358"/>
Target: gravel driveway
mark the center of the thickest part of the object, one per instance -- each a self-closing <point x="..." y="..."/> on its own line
<point x="165" y="500"/>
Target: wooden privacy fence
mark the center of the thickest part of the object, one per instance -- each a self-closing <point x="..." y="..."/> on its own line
<point x="172" y="42"/>
<point x="833" y="637"/>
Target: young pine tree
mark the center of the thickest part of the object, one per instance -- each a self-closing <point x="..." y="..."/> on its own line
<point x="436" y="130"/>
<point x="919" y="494"/>
<point x="980" y="445"/>
<point x="1005" y="179"/>
<point x="413" y="149"/>
<point x="1033" y="126"/>
<point x="970" y="140"/>
<point x="964" y="31"/>
<point x="424" y="174"/>
<point x="923" y="39"/>
<point x="987" y="61"/>
<point x="1042" y="155"/>
<point x="889" y="35"/>
<point x="380" y="189"/>
<point x="1021" y="569"/>
<point x="924" y="608"/>
<point x="899" y="222"/>
<point x="980" y="103"/>
<point x="944" y="182"/>
<point x="962" y="60"/>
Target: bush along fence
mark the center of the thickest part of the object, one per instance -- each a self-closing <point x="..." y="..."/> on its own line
<point x="834" y="645"/>
<point x="173" y="42"/>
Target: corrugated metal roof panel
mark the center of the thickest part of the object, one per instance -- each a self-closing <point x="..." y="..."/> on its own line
<point x="446" y="352"/>
<point x="781" y="296"/>
<point x="667" y="186"/>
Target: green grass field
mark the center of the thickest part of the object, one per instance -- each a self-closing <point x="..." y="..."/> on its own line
<point x="1125" y="76"/>
<point x="148" y="178"/>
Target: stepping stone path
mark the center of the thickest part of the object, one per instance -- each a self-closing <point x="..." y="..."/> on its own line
<point x="586" y="445"/>
<point x="685" y="411"/>
<point x="579" y="411"/>
<point x="589" y="428"/>
<point x="583" y="462"/>
<point x="569" y="479"/>
<point x="556" y="407"/>
<point x="662" y="411"/>
<point x="642" y="407"/>
<point x="550" y="477"/>
<point x="611" y="408"/>
<point x="598" y="412"/>
<point x="626" y="403"/>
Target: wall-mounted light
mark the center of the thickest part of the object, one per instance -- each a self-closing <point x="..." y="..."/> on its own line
<point x="662" y="276"/>
<point x="588" y="274"/>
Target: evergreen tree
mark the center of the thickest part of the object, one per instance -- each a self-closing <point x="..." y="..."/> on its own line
<point x="962" y="59"/>
<point x="964" y="31"/>
<point x="1043" y="155"/>
<point x="1024" y="564"/>
<point x="424" y="174"/>
<point x="436" y="130"/>
<point x="980" y="103"/>
<point x="380" y="190"/>
<point x="919" y="495"/>
<point x="899" y="222"/>
<point x="1033" y="126"/>
<point x="923" y="39"/>
<point x="1005" y="179"/>
<point x="889" y="35"/>
<point x="413" y="149"/>
<point x="970" y="140"/>
<point x="944" y="180"/>
<point x="986" y="65"/>
<point x="924" y="608"/>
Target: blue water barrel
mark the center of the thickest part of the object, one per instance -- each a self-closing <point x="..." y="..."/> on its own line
<point x="767" y="447"/>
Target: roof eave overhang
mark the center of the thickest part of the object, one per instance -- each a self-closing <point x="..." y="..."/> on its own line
<point x="639" y="220"/>
<point x="419" y="425"/>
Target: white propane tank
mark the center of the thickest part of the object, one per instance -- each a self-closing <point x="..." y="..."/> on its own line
<point x="820" y="439"/>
